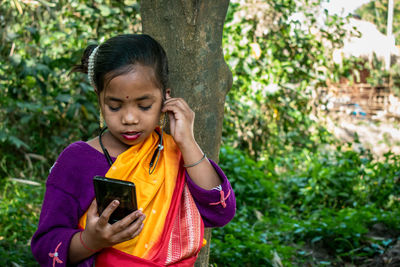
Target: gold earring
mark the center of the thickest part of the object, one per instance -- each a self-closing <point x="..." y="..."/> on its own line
<point x="162" y="120"/>
<point x="101" y="120"/>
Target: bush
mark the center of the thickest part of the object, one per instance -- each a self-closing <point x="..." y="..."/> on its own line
<point x="245" y="240"/>
<point x="43" y="108"/>
<point x="277" y="66"/>
<point x="19" y="212"/>
<point x="328" y="203"/>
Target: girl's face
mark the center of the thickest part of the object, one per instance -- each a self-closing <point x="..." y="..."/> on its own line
<point x="131" y="105"/>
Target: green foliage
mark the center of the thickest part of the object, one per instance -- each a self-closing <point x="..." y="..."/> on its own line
<point x="19" y="213"/>
<point x="298" y="192"/>
<point x="271" y="221"/>
<point x="328" y="180"/>
<point x="277" y="64"/>
<point x="245" y="241"/>
<point x="329" y="202"/>
<point x="306" y="192"/>
<point x="44" y="108"/>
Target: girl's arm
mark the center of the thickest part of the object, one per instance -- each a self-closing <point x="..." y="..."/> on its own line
<point x="181" y="119"/>
<point x="203" y="174"/>
<point x="207" y="183"/>
<point x="61" y="209"/>
<point x="69" y="192"/>
<point x="57" y="226"/>
<point x="216" y="206"/>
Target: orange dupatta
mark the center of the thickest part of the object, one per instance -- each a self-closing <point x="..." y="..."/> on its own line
<point x="173" y="228"/>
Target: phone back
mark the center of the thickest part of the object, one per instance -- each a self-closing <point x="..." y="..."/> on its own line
<point x="107" y="190"/>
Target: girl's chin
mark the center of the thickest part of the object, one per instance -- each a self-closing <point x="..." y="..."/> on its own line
<point x="132" y="141"/>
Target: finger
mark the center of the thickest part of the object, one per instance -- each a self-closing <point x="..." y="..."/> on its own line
<point x="171" y="117"/>
<point x="173" y="99"/>
<point x="171" y="123"/>
<point x="137" y="232"/>
<point x="105" y="216"/>
<point x="127" y="235"/>
<point x="125" y="222"/>
<point x="176" y="106"/>
<point x="167" y="102"/>
<point x="136" y="224"/>
<point x="178" y="102"/>
<point x="183" y="103"/>
<point x="133" y="229"/>
<point x="170" y="109"/>
<point x="92" y="211"/>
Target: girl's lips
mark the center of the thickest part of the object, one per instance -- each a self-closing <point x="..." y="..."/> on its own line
<point x="130" y="136"/>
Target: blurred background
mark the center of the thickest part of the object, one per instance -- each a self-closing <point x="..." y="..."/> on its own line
<point x="311" y="136"/>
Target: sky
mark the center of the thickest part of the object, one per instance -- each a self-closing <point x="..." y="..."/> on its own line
<point x="344" y="7"/>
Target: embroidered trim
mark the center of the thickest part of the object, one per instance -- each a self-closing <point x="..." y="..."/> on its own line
<point x="222" y="196"/>
<point x="219" y="188"/>
<point x="52" y="167"/>
<point x="55" y="255"/>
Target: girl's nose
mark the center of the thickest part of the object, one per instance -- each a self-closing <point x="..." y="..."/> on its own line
<point x="130" y="118"/>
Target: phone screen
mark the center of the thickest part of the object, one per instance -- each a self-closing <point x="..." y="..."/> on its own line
<point x="107" y="190"/>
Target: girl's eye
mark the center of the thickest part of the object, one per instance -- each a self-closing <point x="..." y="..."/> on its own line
<point x="113" y="108"/>
<point x="145" y="108"/>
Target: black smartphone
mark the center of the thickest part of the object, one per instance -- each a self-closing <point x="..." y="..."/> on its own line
<point x="107" y="190"/>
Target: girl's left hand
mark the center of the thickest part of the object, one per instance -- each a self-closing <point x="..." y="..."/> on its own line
<point x="181" y="119"/>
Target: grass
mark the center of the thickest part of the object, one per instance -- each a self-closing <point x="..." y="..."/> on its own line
<point x="19" y="215"/>
<point x="319" y="210"/>
<point x="316" y="208"/>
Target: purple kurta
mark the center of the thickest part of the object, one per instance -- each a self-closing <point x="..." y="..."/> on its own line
<point x="69" y="193"/>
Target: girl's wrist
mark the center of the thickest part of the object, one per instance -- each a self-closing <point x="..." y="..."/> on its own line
<point x="195" y="163"/>
<point x="87" y="243"/>
<point x="191" y="153"/>
<point x="188" y="146"/>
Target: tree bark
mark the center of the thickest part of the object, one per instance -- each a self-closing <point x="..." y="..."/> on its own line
<point x="191" y="33"/>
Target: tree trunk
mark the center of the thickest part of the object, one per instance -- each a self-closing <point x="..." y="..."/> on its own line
<point x="191" y="33"/>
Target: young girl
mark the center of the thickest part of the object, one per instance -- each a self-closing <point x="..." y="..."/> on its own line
<point x="179" y="191"/>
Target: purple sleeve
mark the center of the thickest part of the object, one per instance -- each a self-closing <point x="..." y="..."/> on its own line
<point x="59" y="217"/>
<point x="213" y="214"/>
<point x="56" y="227"/>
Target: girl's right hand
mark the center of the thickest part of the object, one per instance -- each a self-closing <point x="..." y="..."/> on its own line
<point x="100" y="234"/>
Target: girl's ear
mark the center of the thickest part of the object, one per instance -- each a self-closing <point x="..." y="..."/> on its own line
<point x="167" y="93"/>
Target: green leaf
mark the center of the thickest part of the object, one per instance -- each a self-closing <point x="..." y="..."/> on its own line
<point x="63" y="98"/>
<point x="18" y="143"/>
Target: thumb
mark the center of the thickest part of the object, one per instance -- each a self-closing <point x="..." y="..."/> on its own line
<point x="92" y="211"/>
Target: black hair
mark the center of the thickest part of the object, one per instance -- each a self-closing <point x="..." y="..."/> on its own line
<point x="119" y="54"/>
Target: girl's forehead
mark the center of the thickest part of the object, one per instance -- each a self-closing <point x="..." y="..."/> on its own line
<point x="140" y="80"/>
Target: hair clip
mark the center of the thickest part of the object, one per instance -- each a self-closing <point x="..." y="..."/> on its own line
<point x="91" y="63"/>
